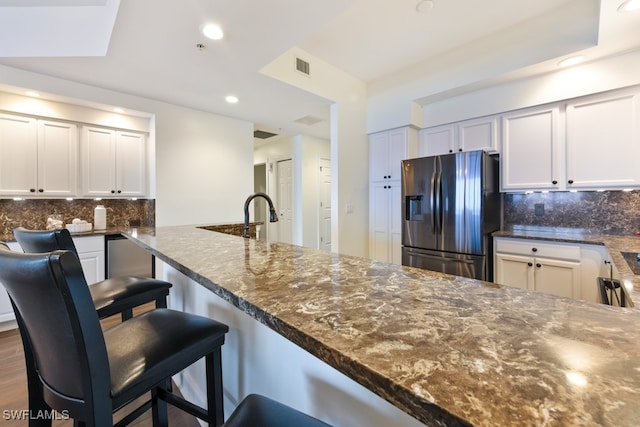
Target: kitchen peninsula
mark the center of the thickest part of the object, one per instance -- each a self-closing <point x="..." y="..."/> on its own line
<point x="445" y="350"/>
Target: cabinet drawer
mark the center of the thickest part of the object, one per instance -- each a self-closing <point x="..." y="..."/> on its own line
<point x="538" y="248"/>
<point x="89" y="244"/>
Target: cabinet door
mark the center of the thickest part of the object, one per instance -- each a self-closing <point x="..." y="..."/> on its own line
<point x="378" y="148"/>
<point x="514" y="270"/>
<point x="131" y="163"/>
<point x="98" y="149"/>
<point x="478" y="134"/>
<point x="395" y="222"/>
<point x="379" y="241"/>
<point x="18" y="155"/>
<point x="91" y="254"/>
<point x="558" y="277"/>
<point x="397" y="152"/>
<point x="436" y="140"/>
<point x="57" y="158"/>
<point x="92" y="266"/>
<point x="530" y="150"/>
<point x="603" y="142"/>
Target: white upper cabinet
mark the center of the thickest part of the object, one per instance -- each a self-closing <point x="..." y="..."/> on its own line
<point x="37" y="157"/>
<point x="530" y="149"/>
<point x="113" y="163"/>
<point x="468" y="135"/>
<point x="603" y="143"/>
<point x="588" y="143"/>
<point x="386" y="152"/>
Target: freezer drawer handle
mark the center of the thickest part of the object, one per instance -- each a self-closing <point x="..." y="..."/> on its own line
<point x="465" y="261"/>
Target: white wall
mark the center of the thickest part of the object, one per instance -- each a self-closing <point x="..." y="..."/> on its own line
<point x="599" y="76"/>
<point x="349" y="149"/>
<point x="204" y="161"/>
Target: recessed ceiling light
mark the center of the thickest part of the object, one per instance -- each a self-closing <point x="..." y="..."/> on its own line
<point x="231" y="99"/>
<point x="213" y="32"/>
<point x="629" y="6"/>
<point x="572" y="60"/>
<point x="424" y="6"/>
<point x="32" y="93"/>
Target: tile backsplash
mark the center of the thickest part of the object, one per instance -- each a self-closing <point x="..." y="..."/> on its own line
<point x="33" y="213"/>
<point x="607" y="212"/>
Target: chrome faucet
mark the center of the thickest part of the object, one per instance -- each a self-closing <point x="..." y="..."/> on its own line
<point x="273" y="216"/>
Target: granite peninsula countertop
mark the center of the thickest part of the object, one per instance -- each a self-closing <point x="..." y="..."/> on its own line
<point x="614" y="244"/>
<point x="446" y="350"/>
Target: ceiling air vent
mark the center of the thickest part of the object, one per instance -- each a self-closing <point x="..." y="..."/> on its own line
<point x="302" y="66"/>
<point x="261" y="134"/>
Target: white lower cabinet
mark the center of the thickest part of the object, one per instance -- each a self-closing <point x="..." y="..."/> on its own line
<point x="385" y="236"/>
<point x="564" y="269"/>
<point x="92" y="258"/>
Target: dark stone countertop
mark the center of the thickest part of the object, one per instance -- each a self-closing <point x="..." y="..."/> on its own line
<point x="616" y="245"/>
<point x="446" y="350"/>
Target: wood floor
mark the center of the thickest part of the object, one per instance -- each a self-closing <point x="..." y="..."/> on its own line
<point x="13" y="386"/>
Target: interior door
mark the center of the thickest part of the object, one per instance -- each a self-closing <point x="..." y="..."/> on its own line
<point x="324" y="225"/>
<point x="284" y="206"/>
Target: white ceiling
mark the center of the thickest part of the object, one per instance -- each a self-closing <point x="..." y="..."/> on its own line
<point x="152" y="47"/>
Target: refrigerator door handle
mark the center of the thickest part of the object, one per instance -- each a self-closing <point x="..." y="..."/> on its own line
<point x="437" y="215"/>
<point x="432" y="202"/>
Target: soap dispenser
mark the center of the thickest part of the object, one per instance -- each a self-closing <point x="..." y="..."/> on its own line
<point x="100" y="218"/>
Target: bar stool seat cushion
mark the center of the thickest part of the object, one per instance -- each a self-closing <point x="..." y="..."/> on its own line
<point x="155" y="345"/>
<point x="114" y="295"/>
<point x="256" y="410"/>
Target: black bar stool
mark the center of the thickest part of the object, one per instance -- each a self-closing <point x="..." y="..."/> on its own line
<point x="110" y="296"/>
<point x="87" y="373"/>
<point x="260" y="411"/>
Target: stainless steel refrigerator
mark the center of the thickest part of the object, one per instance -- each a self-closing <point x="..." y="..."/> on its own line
<point x="450" y="207"/>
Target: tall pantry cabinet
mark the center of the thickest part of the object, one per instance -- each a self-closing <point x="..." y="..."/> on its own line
<point x="386" y="151"/>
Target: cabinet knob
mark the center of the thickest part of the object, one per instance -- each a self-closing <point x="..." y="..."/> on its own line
<point x="538" y="265"/>
<point x="459" y="149"/>
<point x="389" y="176"/>
<point x="530" y="264"/>
<point x="33" y="190"/>
<point x="534" y="249"/>
<point x="119" y="191"/>
<point x="451" y="151"/>
<point x="554" y="182"/>
<point x="40" y="190"/>
<point x="570" y="181"/>
<point x="113" y="191"/>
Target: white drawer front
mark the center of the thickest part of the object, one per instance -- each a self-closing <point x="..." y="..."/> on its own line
<point x="89" y="243"/>
<point x="538" y="248"/>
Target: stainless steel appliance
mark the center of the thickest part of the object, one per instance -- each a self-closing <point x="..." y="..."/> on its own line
<point x="451" y="205"/>
<point x="125" y="258"/>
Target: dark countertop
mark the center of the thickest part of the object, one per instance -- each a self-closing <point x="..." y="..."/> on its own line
<point x="616" y="245"/>
<point x="446" y="350"/>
